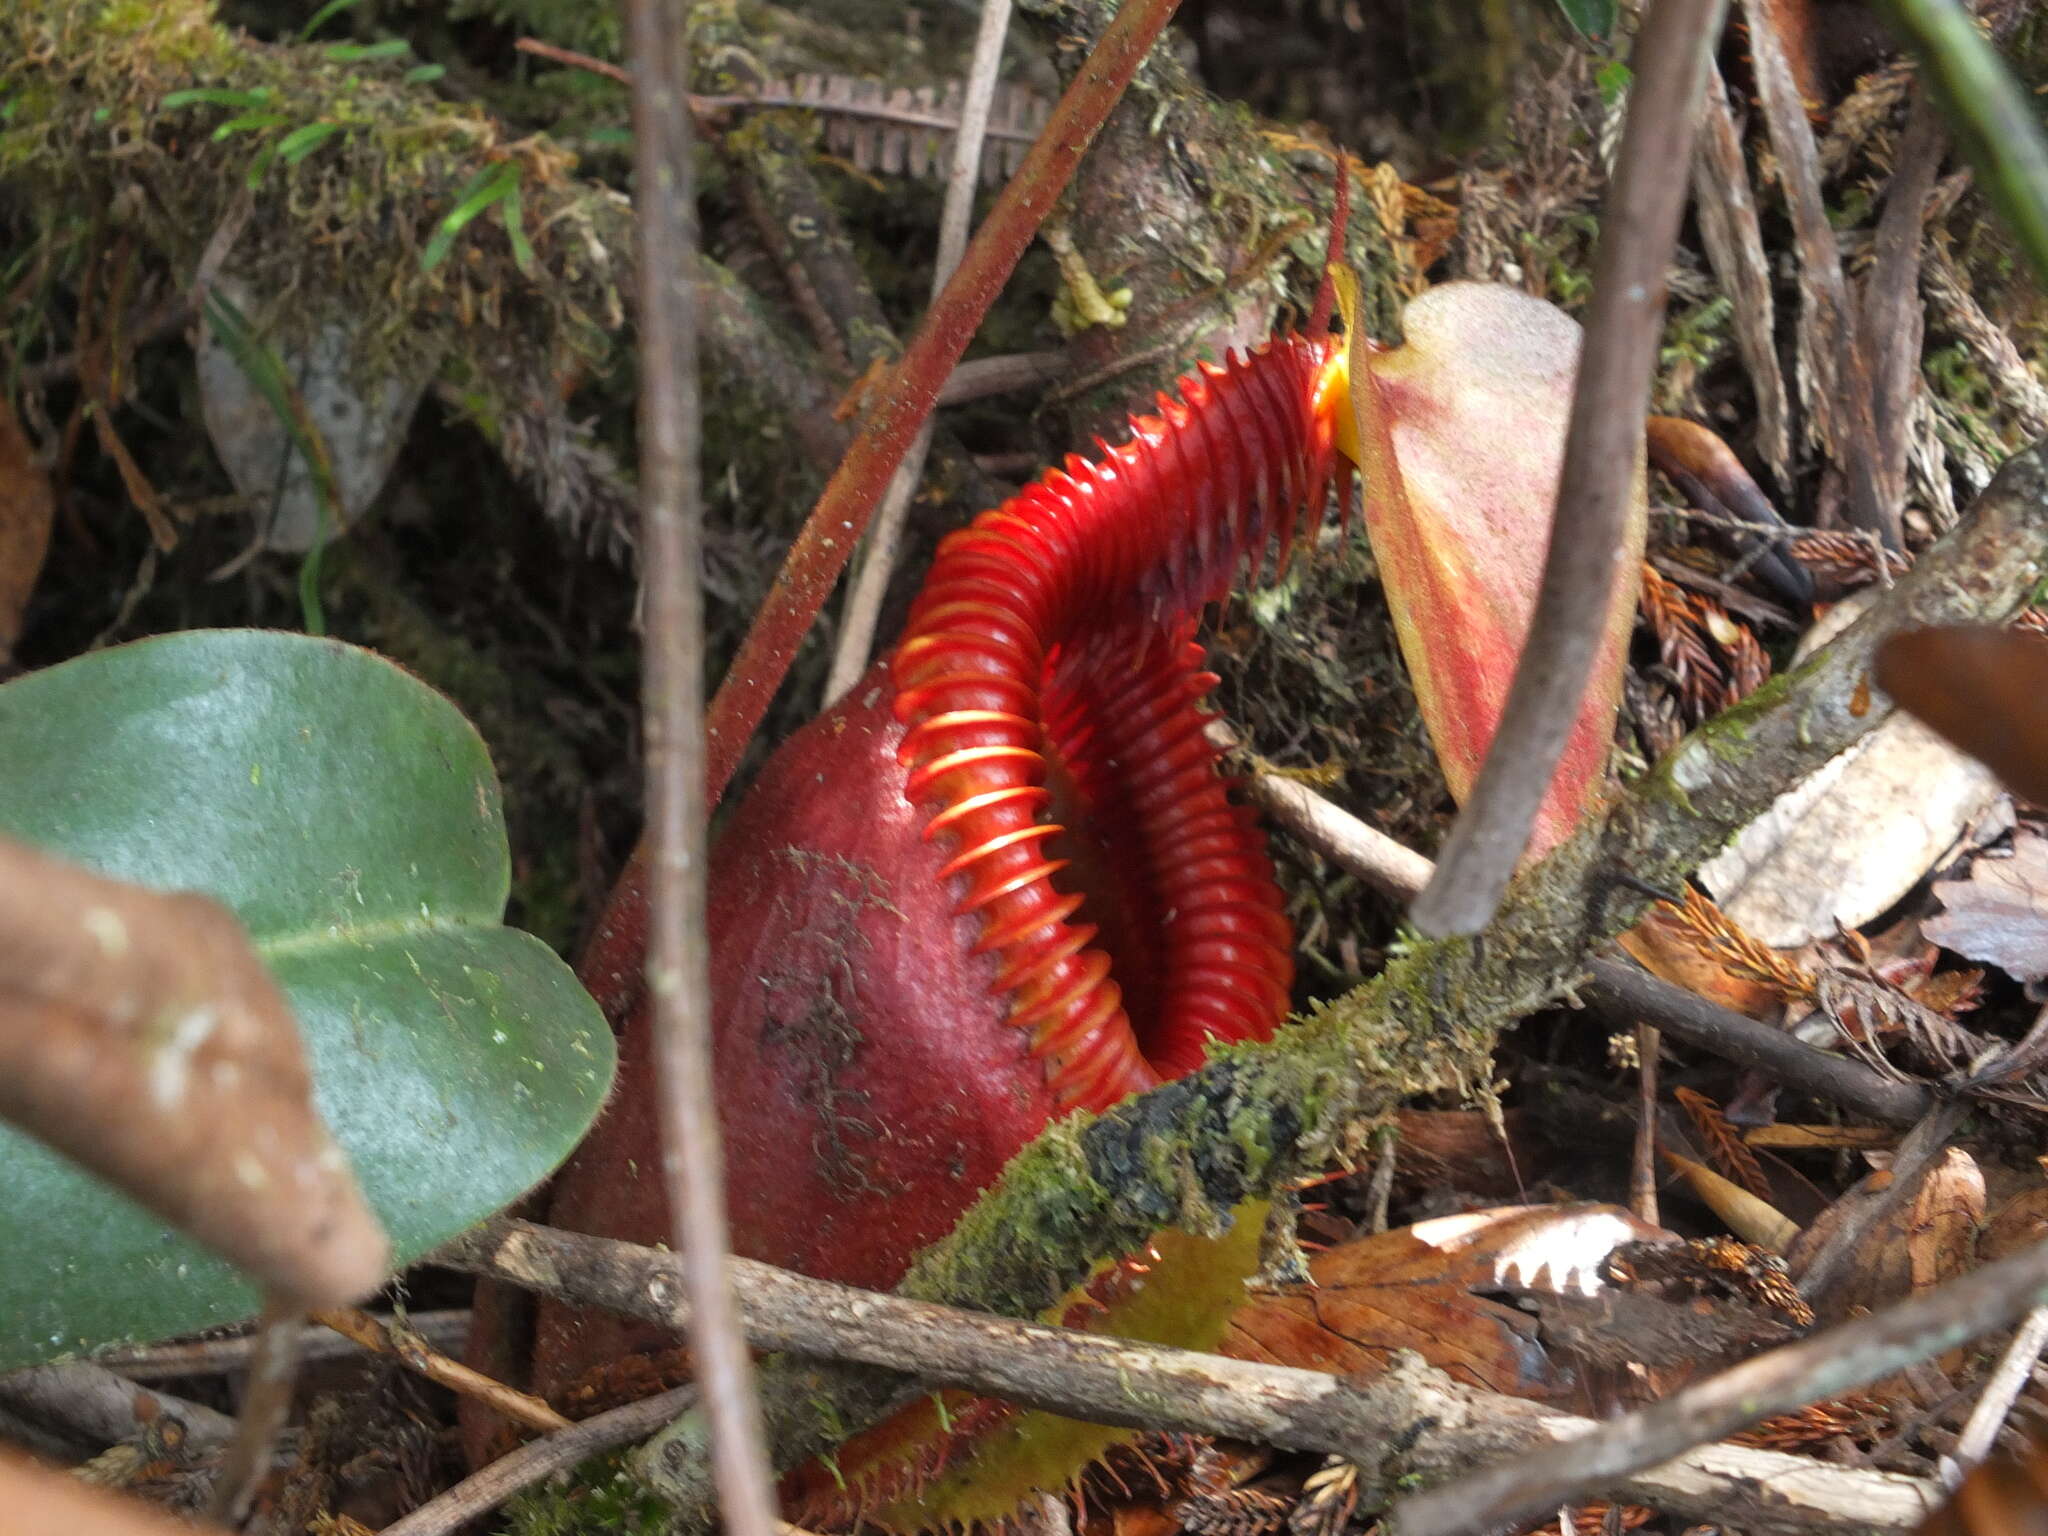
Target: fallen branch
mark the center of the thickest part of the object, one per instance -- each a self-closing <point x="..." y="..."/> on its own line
<point x="1410" y="1415"/>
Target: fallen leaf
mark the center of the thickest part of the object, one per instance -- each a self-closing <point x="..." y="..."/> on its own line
<point x="1997" y="912"/>
<point x="1983" y="688"/>
<point x="2019" y="1223"/>
<point x="363" y="418"/>
<point x="1842" y="847"/>
<point x="1414" y="1288"/>
<point x="1929" y="1238"/>
<point x="141" y="1035"/>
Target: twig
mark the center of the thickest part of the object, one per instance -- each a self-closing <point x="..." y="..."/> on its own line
<point x="2013" y="1372"/>
<point x="1329" y="829"/>
<point x="1735" y="249"/>
<point x="93" y="1403"/>
<point x="1841" y="385"/>
<point x="1823" y="1366"/>
<point x="444" y="1330"/>
<point x="1991" y="113"/>
<point x="999" y="375"/>
<point x="610" y="964"/>
<point x="1642" y="1171"/>
<point x="1411" y="1411"/>
<point x="266" y="1403"/>
<point x="1637" y="232"/>
<point x="1892" y="319"/>
<point x="374" y="1333"/>
<point x="482" y="1492"/>
<point x="678" y="972"/>
<point x="1626" y="995"/>
<point x="871" y="581"/>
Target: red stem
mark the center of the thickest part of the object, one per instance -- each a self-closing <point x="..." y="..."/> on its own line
<point x="611" y="961"/>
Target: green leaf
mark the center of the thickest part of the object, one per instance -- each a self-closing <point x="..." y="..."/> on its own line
<point x="424" y="74"/>
<point x="301" y="142"/>
<point x="514" y="217"/>
<point x="214" y="96"/>
<point x="350" y="817"/>
<point x="356" y="53"/>
<point x="248" y="122"/>
<point x="325" y="14"/>
<point x="1613" y="78"/>
<point x="482" y="190"/>
<point x="1593" y="18"/>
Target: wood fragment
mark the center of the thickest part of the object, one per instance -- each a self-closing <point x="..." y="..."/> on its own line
<point x="1735" y="250"/>
<point x="1838" y="399"/>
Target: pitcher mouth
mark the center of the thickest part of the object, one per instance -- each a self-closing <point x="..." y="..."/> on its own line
<point x="1050" y="653"/>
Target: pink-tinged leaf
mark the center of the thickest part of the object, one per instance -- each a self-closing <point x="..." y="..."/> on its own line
<point x="1459" y="434"/>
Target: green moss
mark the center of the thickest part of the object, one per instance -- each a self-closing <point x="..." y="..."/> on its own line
<point x="598" y="1499"/>
<point x="88" y="135"/>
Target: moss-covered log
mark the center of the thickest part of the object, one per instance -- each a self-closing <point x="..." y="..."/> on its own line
<point x="1261" y="1116"/>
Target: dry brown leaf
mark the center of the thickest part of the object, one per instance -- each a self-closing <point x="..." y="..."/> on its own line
<point x="1981" y="687"/>
<point x="41" y="1501"/>
<point x="1459" y="1149"/>
<point x="1414" y="1289"/>
<point x="1997" y="913"/>
<point x="26" y="510"/>
<point x="1930" y="1238"/>
<point x="2019" y="1223"/>
<point x="141" y="1035"/>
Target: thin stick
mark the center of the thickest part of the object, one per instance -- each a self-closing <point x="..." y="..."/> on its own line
<point x="678" y="980"/>
<point x="413" y="1352"/>
<point x="273" y="1370"/>
<point x="482" y="1492"/>
<point x="82" y="1399"/>
<point x="871" y="582"/>
<point x="610" y="966"/>
<point x="1625" y="994"/>
<point x="2014" y="1370"/>
<point x="444" y="1330"/>
<point x="1642" y="1173"/>
<point x="1637" y="233"/>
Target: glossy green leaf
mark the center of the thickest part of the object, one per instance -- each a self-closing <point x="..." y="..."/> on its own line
<point x="1593" y="18"/>
<point x="350" y="817"/>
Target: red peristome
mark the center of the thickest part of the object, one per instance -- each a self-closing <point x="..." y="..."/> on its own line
<point x="1001" y="878"/>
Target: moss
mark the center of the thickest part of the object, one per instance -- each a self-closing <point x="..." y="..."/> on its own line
<point x="598" y="1499"/>
<point x="88" y="135"/>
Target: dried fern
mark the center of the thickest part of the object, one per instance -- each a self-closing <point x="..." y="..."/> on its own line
<point x="898" y="130"/>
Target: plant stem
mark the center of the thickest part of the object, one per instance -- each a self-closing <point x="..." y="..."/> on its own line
<point x="678" y="971"/>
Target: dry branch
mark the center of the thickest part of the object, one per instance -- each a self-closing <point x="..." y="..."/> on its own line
<point x="1432" y="1421"/>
